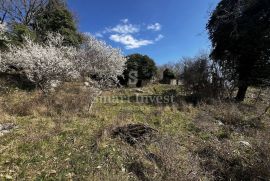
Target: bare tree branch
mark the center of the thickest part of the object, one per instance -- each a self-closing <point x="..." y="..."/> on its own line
<point x="21" y="11"/>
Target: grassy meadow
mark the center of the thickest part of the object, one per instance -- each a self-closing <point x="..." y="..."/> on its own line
<point x="58" y="138"/>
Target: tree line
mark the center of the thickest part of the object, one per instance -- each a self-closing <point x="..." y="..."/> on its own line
<point x="239" y="31"/>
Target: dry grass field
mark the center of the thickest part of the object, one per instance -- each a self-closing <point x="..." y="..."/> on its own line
<point x="58" y="138"/>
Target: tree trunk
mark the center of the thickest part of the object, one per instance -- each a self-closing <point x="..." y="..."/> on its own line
<point x="244" y="77"/>
<point x="139" y="84"/>
<point x="241" y="94"/>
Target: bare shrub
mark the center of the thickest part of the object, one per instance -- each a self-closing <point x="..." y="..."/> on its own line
<point x="239" y="116"/>
<point x="71" y="99"/>
<point x="173" y="159"/>
<point x="236" y="146"/>
<point x="20" y="103"/>
<point x="203" y="79"/>
<point x="220" y="162"/>
<point x="68" y="100"/>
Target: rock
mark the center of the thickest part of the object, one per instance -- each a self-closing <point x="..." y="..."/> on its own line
<point x="86" y="84"/>
<point x="99" y="167"/>
<point x="245" y="143"/>
<point x="8" y="177"/>
<point x="6" y="128"/>
<point x="123" y="169"/>
<point x="55" y="83"/>
<point x="220" y="123"/>
<point x="70" y="175"/>
<point x="139" y="91"/>
<point x="52" y="172"/>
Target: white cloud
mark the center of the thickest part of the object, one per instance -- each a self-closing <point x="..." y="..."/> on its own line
<point x="159" y="37"/>
<point x="125" y="33"/>
<point x="99" y="35"/>
<point x="129" y="41"/>
<point x="154" y="27"/>
<point x="124" y="29"/>
<point x="124" y="20"/>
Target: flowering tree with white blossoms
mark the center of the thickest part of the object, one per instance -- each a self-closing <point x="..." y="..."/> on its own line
<point x="51" y="61"/>
<point x="3" y="30"/>
<point x="100" y="61"/>
<point x="40" y="63"/>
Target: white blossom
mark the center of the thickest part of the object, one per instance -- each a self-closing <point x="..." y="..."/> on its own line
<point x="40" y="63"/>
<point x="3" y="30"/>
<point x="51" y="61"/>
<point x="100" y="60"/>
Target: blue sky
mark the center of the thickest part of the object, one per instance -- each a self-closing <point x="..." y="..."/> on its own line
<point x="166" y="30"/>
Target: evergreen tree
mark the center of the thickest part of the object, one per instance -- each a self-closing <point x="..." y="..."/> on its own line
<point x="19" y="32"/>
<point x="143" y="65"/>
<point x="56" y="17"/>
<point x="240" y="35"/>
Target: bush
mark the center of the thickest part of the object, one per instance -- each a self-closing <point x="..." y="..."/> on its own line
<point x="202" y="78"/>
